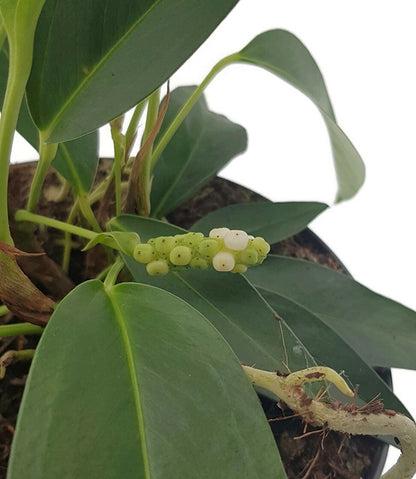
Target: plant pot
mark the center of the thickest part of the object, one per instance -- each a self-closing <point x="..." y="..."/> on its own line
<point x="368" y="452"/>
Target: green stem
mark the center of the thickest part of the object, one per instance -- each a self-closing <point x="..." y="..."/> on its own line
<point x="3" y="310"/>
<point x="18" y="329"/>
<point x="8" y="121"/>
<point x="102" y="274"/>
<point x="66" y="255"/>
<point x="112" y="275"/>
<point x="47" y="152"/>
<point x="152" y="113"/>
<point x="119" y="142"/>
<point x="134" y="122"/>
<point x="24" y="215"/>
<point x="173" y="127"/>
<point x="86" y="210"/>
<point x="11" y="356"/>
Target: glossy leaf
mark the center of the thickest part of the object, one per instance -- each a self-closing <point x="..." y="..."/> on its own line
<point x="228" y="301"/>
<point x="380" y="330"/>
<point x="283" y="54"/>
<point x="204" y="143"/>
<point x="331" y="350"/>
<point x="75" y="160"/>
<point x="131" y="382"/>
<point x="272" y="221"/>
<point x="114" y="57"/>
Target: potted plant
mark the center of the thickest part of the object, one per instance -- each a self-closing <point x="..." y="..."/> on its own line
<point x="146" y="368"/>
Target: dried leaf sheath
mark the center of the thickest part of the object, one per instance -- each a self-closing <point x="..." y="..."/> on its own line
<point x="18" y="293"/>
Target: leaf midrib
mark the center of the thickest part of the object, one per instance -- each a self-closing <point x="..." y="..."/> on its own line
<point x="133" y="379"/>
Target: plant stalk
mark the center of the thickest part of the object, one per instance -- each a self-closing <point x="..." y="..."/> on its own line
<point x="144" y="179"/>
<point x="47" y="152"/>
<point x="134" y="122"/>
<point x="18" y="329"/>
<point x="24" y="215"/>
<point x="173" y="127"/>
<point x="114" y="271"/>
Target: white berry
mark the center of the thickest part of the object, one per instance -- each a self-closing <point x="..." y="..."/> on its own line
<point x="218" y="232"/>
<point x="223" y="261"/>
<point x="236" y="240"/>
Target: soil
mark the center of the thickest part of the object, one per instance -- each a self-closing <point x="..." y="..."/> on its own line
<point x="319" y="455"/>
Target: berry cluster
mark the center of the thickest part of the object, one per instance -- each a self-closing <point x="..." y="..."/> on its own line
<point x="224" y="250"/>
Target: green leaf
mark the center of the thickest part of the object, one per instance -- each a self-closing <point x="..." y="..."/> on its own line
<point x="283" y="54"/>
<point x="380" y="330"/>
<point x="204" y="143"/>
<point x="93" y="63"/>
<point x="228" y="301"/>
<point x="272" y="221"/>
<point x="331" y="350"/>
<point x="131" y="382"/>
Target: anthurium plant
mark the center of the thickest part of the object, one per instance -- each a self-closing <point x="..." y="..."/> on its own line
<point x="146" y="370"/>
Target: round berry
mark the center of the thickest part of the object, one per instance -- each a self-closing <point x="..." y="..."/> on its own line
<point x="144" y="253"/>
<point x="223" y="261"/>
<point x="218" y="232"/>
<point x="164" y="244"/>
<point x="159" y="267"/>
<point x="260" y="245"/>
<point x="208" y="247"/>
<point x="248" y="256"/>
<point x="192" y="239"/>
<point x="198" y="263"/>
<point x="239" y="268"/>
<point x="180" y="255"/>
<point x="236" y="240"/>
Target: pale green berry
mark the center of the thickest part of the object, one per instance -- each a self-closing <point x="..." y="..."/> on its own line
<point x="260" y="245"/>
<point x="180" y="255"/>
<point x="249" y="256"/>
<point x="152" y="241"/>
<point x="239" y="268"/>
<point x="192" y="239"/>
<point x="208" y="247"/>
<point x="236" y="240"/>
<point x="218" y="232"/>
<point x="198" y="263"/>
<point x="159" y="267"/>
<point x="165" y="244"/>
<point x="223" y="261"/>
<point x="144" y="253"/>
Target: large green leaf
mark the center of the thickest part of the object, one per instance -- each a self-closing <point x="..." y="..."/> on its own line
<point x="94" y="61"/>
<point x="131" y="382"/>
<point x="204" y="143"/>
<point x="283" y="54"/>
<point x="272" y="221"/>
<point x="382" y="331"/>
<point x="331" y="350"/>
<point x="228" y="301"/>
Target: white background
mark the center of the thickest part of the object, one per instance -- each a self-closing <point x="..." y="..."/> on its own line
<point x="366" y="51"/>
